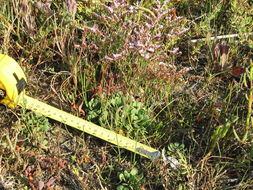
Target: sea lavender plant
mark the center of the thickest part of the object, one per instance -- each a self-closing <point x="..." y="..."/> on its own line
<point x="124" y="35"/>
<point x="148" y="33"/>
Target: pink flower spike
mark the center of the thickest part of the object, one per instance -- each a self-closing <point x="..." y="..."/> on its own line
<point x="117" y="56"/>
<point x="175" y="50"/>
<point x="109" y="9"/>
<point x="151" y="50"/>
<point x="108" y="58"/>
<point x="41" y="185"/>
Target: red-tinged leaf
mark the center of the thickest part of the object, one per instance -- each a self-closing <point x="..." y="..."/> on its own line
<point x="31" y="153"/>
<point x="62" y="164"/>
<point x="237" y="71"/>
<point x="32" y="186"/>
<point x="50" y="181"/>
<point x="198" y="118"/>
<point x="104" y="156"/>
<point x="18" y="148"/>
<point x="86" y="159"/>
<point x="218" y="105"/>
<point x="31" y="180"/>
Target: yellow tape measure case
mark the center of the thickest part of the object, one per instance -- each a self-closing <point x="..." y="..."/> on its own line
<point x="12" y="81"/>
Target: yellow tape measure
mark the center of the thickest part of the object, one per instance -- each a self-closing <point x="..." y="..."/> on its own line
<point x="12" y="84"/>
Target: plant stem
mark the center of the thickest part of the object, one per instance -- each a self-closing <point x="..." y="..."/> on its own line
<point x="250" y="100"/>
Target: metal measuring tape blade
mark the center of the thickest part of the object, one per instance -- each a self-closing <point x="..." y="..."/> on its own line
<point x="12" y="93"/>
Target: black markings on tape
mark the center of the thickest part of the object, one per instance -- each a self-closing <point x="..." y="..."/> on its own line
<point x="21" y="83"/>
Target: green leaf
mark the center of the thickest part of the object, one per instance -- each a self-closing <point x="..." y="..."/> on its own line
<point x="126" y="174"/>
<point x="120" y="187"/>
<point x="122" y="177"/>
<point x="134" y="171"/>
<point x="134" y="111"/>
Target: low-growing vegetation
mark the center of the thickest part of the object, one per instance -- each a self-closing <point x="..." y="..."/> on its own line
<point x="175" y="75"/>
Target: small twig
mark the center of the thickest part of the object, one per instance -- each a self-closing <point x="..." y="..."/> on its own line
<point x="218" y="37"/>
<point x="54" y="78"/>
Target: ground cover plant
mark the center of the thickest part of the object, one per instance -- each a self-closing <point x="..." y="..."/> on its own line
<point x="130" y="66"/>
